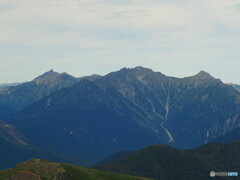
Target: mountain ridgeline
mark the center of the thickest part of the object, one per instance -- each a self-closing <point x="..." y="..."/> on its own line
<point x="94" y="117"/>
<point x="236" y="86"/>
<point x="164" y="162"/>
<point x="18" y="97"/>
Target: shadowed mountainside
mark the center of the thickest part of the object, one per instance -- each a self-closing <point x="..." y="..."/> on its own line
<point x="18" y="97"/>
<point x="229" y="137"/>
<point x="14" y="149"/>
<point x="130" y="109"/>
<point x="164" y="162"/>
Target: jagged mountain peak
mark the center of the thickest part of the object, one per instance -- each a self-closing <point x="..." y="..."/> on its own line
<point x="203" y="75"/>
<point x="135" y="73"/>
<point x="52" y="76"/>
<point x="48" y="74"/>
<point x="51" y="72"/>
<point x="18" y="97"/>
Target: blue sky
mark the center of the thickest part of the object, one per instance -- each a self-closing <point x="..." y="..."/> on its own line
<point x="82" y="37"/>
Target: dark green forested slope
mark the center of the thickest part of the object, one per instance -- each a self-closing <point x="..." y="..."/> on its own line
<point x="164" y="162"/>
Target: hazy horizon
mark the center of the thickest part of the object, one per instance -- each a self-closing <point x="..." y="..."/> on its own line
<point x="84" y="37"/>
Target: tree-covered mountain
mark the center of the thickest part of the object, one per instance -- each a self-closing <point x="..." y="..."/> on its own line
<point x="14" y="150"/>
<point x="130" y="109"/>
<point x="164" y="162"/>
<point x="41" y="169"/>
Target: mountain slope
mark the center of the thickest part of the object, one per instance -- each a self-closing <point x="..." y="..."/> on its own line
<point x="229" y="137"/>
<point x="84" y="121"/>
<point x="14" y="150"/>
<point x="183" y="112"/>
<point x="9" y="133"/>
<point x="164" y="162"/>
<point x="237" y="87"/>
<point x="18" y="97"/>
<point x="4" y="111"/>
<point x="40" y="169"/>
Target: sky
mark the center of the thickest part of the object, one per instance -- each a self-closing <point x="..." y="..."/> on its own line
<point x="82" y="37"/>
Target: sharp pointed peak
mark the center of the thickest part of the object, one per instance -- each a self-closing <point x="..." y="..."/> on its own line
<point x="51" y="71"/>
<point x="203" y="74"/>
<point x="47" y="76"/>
<point x="48" y="73"/>
<point x="66" y="74"/>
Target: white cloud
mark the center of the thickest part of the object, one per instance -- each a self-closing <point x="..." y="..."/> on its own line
<point x="110" y="29"/>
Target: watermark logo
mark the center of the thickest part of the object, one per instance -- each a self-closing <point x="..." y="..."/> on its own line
<point x="223" y="174"/>
<point x="212" y="174"/>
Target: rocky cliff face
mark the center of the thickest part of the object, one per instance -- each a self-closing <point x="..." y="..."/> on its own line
<point x="187" y="111"/>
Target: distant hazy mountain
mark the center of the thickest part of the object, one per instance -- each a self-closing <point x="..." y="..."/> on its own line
<point x="18" y="97"/>
<point x="14" y="150"/>
<point x="10" y="84"/>
<point x="41" y="169"/>
<point x="236" y="86"/>
<point x="164" y="162"/>
<point x="129" y="109"/>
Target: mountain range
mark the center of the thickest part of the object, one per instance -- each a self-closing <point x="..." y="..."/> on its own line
<point x="94" y="117"/>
